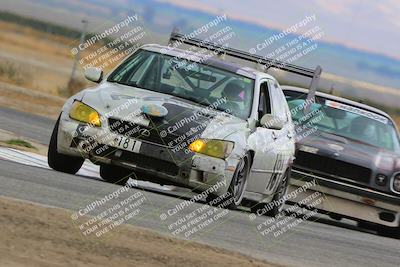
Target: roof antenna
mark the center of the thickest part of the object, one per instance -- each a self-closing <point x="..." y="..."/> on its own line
<point x="172" y="39"/>
<point x="332" y="89"/>
<point x="313" y="88"/>
<point x="222" y="55"/>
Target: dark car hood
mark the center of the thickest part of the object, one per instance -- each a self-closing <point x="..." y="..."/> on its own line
<point x="352" y="151"/>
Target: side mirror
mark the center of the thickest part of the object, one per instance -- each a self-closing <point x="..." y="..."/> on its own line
<point x="271" y="122"/>
<point x="94" y="74"/>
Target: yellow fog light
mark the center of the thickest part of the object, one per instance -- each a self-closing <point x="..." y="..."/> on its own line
<point x="214" y="148"/>
<point x="84" y="113"/>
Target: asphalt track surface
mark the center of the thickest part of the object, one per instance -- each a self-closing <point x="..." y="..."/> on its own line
<point x="322" y="243"/>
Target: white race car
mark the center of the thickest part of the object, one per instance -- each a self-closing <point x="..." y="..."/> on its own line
<point x="198" y="123"/>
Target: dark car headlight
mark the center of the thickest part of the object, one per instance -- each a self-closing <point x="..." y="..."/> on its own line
<point x="396" y="183"/>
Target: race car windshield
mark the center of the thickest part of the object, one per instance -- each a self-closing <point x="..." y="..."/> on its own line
<point x="200" y="83"/>
<point x="344" y="120"/>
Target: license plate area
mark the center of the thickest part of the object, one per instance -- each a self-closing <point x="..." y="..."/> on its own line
<point x="127" y="144"/>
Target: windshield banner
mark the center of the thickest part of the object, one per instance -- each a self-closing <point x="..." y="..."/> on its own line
<point x="355" y="110"/>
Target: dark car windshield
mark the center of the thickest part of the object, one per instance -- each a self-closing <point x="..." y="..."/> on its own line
<point x="200" y="83"/>
<point x="346" y="120"/>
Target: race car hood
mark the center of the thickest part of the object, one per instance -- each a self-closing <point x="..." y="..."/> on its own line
<point x="183" y="118"/>
<point x="347" y="149"/>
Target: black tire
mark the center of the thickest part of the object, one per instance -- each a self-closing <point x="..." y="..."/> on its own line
<point x="233" y="198"/>
<point x="114" y="174"/>
<point x="382" y="230"/>
<point x="274" y="210"/>
<point x="392" y="232"/>
<point x="61" y="162"/>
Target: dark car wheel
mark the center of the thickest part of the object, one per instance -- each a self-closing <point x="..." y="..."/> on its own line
<point x="61" y="162"/>
<point x="382" y="230"/>
<point x="265" y="208"/>
<point x="392" y="232"/>
<point x="236" y="189"/>
<point x="114" y="174"/>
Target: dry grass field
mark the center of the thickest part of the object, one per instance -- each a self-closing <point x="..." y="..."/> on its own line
<point x="33" y="59"/>
<point x="37" y="60"/>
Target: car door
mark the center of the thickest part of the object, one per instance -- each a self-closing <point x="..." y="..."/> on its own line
<point x="289" y="133"/>
<point x="282" y="137"/>
<point x="286" y="144"/>
<point x="261" y="142"/>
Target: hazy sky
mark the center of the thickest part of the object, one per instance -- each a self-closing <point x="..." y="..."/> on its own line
<point x="372" y="25"/>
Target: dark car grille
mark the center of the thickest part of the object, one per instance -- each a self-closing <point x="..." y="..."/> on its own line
<point x="140" y="160"/>
<point x="151" y="163"/>
<point x="331" y="166"/>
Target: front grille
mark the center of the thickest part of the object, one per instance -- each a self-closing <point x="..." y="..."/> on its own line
<point x="140" y="160"/>
<point x="150" y="163"/>
<point x="331" y="166"/>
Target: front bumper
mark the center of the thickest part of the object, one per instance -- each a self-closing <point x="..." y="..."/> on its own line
<point x="348" y="200"/>
<point x="152" y="162"/>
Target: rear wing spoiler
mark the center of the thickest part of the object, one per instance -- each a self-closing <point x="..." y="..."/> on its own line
<point x="314" y="74"/>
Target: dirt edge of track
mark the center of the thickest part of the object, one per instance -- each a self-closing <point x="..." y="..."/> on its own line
<point x="35" y="235"/>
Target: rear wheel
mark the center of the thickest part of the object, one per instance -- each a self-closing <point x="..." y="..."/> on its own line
<point x="234" y="196"/>
<point x="114" y="174"/>
<point x="61" y="162"/>
<point x="272" y="209"/>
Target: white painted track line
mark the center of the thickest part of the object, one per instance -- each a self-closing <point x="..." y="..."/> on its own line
<point x="88" y="169"/>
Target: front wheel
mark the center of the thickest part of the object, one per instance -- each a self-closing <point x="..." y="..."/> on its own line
<point x="61" y="162"/>
<point x="234" y="196"/>
<point x="392" y="232"/>
<point x="382" y="230"/>
<point x="275" y="207"/>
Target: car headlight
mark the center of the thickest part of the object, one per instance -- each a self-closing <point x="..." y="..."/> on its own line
<point x="396" y="183"/>
<point x="84" y="113"/>
<point x="381" y="179"/>
<point x="214" y="148"/>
